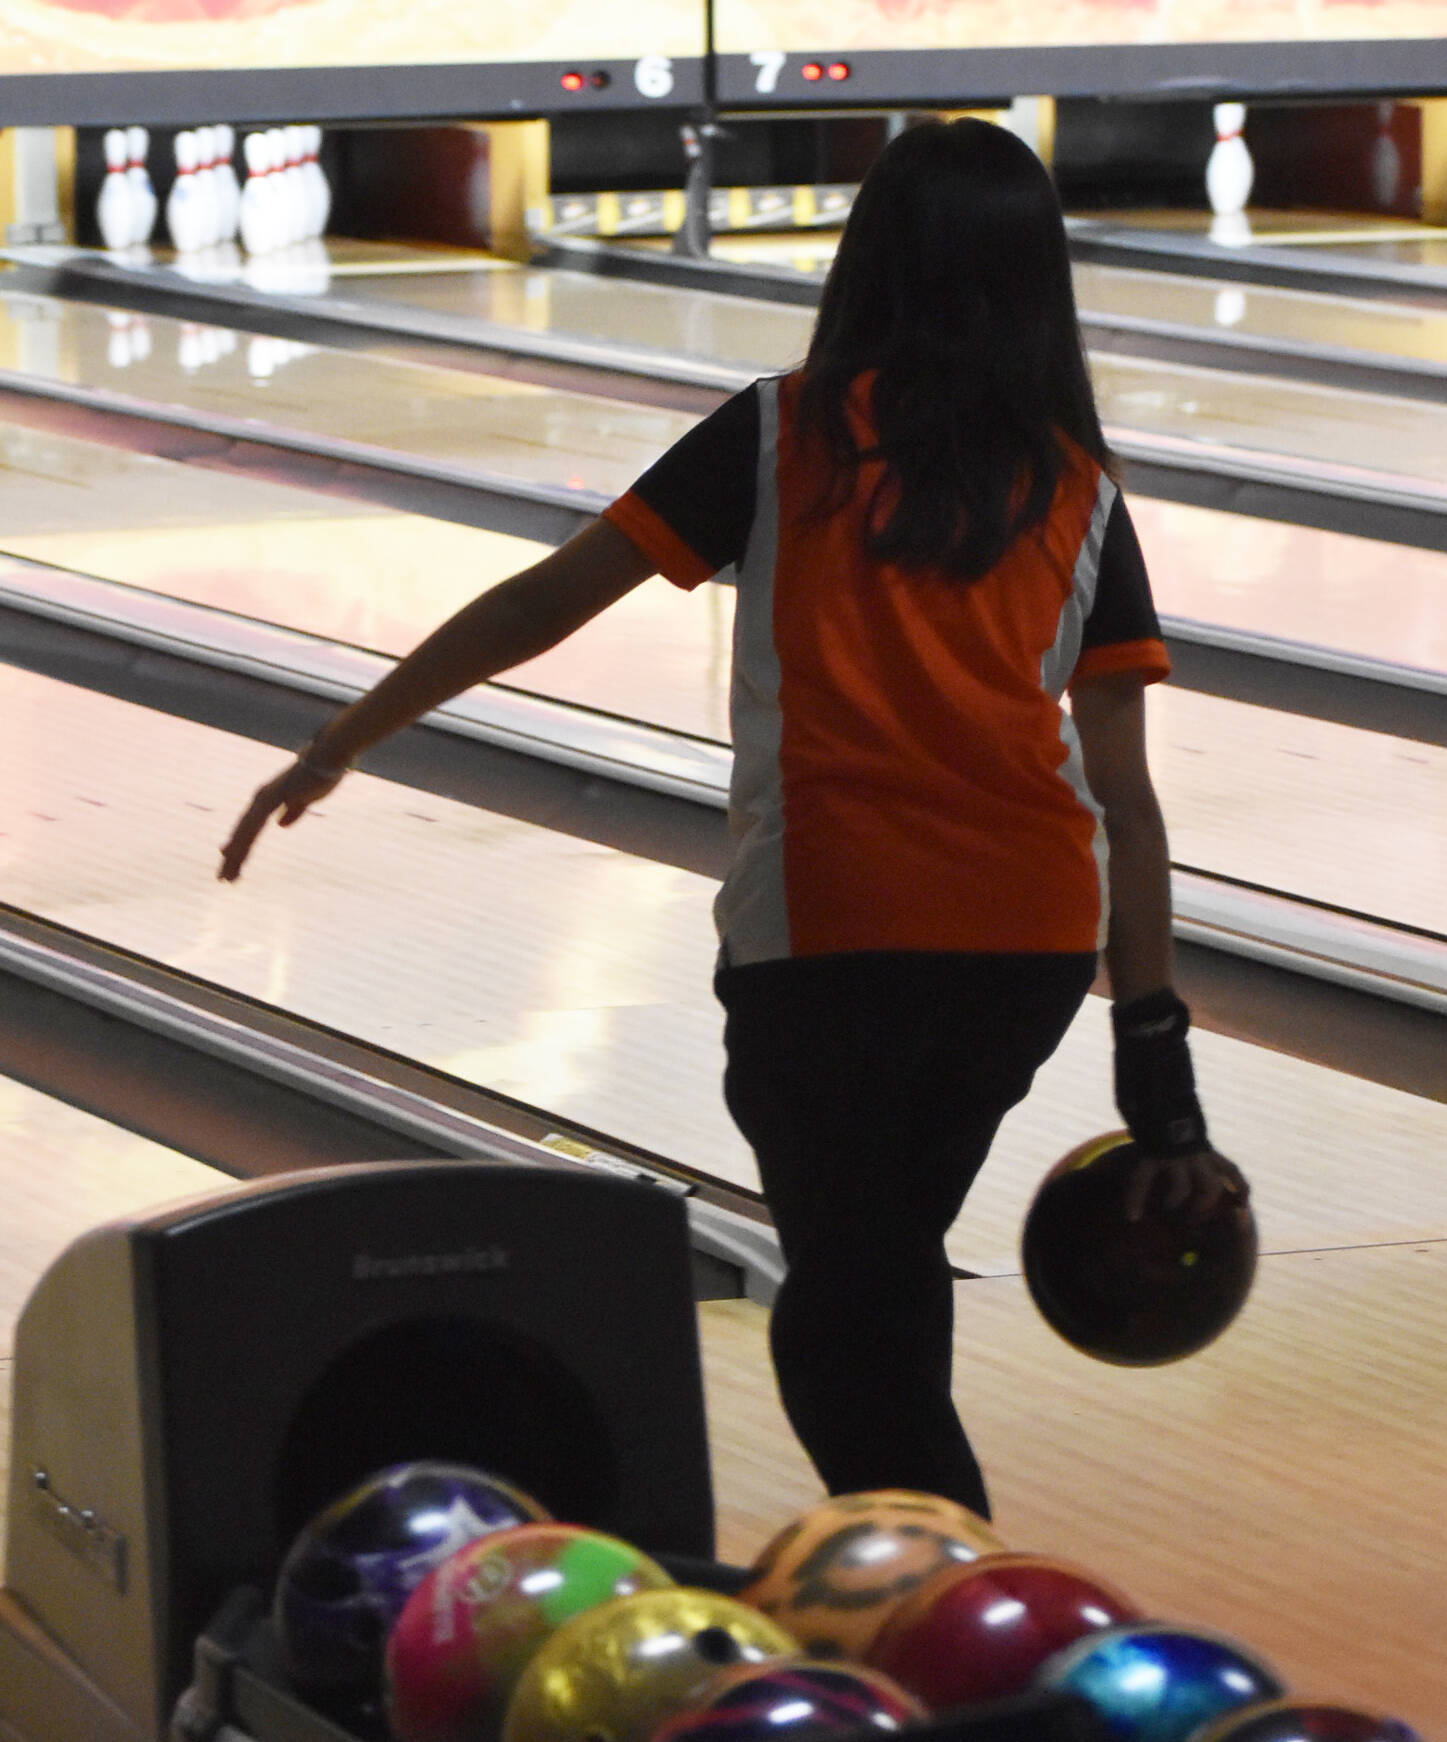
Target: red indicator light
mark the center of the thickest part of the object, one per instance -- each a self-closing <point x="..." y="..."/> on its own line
<point x="839" y="69"/>
<point x="600" y="81"/>
<point x="571" y="81"/>
<point x="812" y="71"/>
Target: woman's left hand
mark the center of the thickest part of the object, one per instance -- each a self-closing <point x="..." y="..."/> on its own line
<point x="292" y="793"/>
<point x="1195" y="1183"/>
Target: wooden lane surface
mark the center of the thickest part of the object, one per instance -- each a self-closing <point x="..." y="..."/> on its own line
<point x="1285" y="1487"/>
<point x="576" y="978"/>
<point x="290" y="555"/>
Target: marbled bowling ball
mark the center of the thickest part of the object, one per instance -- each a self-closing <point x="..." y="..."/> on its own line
<point x="470" y="1628"/>
<point x="982" y="1631"/>
<point x="1158" y="1682"/>
<point x="798" y="1697"/>
<point x="1306" y="1721"/>
<point x="1134" y="1293"/>
<point x="614" y="1673"/>
<point x="349" y="1573"/>
<point x="833" y="1576"/>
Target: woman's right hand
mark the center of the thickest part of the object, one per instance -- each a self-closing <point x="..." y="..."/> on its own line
<point x="292" y="792"/>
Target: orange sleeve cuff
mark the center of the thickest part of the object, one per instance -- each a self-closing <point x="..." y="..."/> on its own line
<point x="676" y="561"/>
<point x="1149" y="658"/>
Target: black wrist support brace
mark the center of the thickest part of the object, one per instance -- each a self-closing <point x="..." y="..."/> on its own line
<point x="1155" y="1087"/>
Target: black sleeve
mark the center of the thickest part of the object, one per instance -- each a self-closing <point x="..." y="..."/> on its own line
<point x="703" y="488"/>
<point x="1124" y="609"/>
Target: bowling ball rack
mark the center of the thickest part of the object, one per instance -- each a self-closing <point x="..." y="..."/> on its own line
<point x="240" y="1690"/>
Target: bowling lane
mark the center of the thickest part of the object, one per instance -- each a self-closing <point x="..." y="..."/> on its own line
<point x="571" y="976"/>
<point x="1384" y="256"/>
<point x="1305" y="321"/>
<point x="143" y="519"/>
<point x="1404" y="333"/>
<point x="463" y="422"/>
<point x="1266" y="797"/>
<point x="747" y="333"/>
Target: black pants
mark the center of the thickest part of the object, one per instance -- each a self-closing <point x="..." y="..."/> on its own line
<point x="870" y="1088"/>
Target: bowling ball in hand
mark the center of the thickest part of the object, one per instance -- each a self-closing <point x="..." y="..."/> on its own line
<point x="1306" y="1721"/>
<point x="981" y="1631"/>
<point x="470" y="1628"/>
<point x="614" y="1673"/>
<point x="1157" y="1682"/>
<point x="834" y="1575"/>
<point x="349" y="1573"/>
<point x="1136" y="1293"/>
<point x="795" y="1698"/>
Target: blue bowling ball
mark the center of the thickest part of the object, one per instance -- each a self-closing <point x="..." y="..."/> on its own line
<point x="348" y="1575"/>
<point x="1157" y="1682"/>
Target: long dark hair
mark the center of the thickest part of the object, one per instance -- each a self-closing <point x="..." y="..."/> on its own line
<point x="952" y="280"/>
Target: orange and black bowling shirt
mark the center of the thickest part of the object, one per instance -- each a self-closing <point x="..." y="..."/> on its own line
<point x="905" y="776"/>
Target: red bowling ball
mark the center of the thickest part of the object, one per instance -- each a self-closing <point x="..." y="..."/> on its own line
<point x="980" y="1631"/>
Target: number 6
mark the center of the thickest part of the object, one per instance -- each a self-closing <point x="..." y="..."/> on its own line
<point x="654" y="75"/>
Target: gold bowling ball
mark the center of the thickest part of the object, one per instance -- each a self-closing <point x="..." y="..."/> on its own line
<point x="834" y="1575"/>
<point x="614" y="1673"/>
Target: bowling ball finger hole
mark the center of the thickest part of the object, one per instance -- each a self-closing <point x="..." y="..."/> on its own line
<point x="716" y="1645"/>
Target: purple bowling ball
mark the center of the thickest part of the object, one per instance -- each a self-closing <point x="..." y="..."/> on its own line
<point x="793" y="1698"/>
<point x="1306" y="1721"/>
<point x="349" y="1573"/>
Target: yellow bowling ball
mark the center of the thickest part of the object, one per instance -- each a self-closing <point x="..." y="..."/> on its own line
<point x="834" y="1575"/>
<point x="614" y="1673"/>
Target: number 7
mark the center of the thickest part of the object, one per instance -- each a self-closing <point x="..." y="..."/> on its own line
<point x="770" y="62"/>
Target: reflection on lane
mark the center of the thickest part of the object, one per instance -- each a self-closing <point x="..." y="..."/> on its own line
<point x="472" y="422"/>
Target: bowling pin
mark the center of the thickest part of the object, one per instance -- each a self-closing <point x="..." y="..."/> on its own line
<point x="298" y="200"/>
<point x="185" y="218"/>
<point x="208" y="200"/>
<point x="143" y="195"/>
<point x="227" y="185"/>
<point x="1229" y="170"/>
<point x="257" y="228"/>
<point x="1386" y="160"/>
<point x="114" y="212"/>
<point x="278" y="193"/>
<point x="319" y="191"/>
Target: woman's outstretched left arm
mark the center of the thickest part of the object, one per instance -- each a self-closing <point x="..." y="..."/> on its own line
<point x="510" y="623"/>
